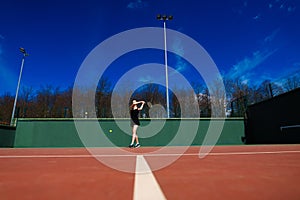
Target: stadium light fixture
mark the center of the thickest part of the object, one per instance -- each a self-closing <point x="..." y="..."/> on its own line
<point x="22" y="50"/>
<point x="164" y="18"/>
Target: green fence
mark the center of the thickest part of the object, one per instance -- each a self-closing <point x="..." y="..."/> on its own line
<point x="63" y="133"/>
<point x="7" y="136"/>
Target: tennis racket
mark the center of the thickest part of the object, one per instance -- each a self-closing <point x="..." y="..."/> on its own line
<point x="149" y="104"/>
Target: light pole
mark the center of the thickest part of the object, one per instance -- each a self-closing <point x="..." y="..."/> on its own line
<point x="22" y="50"/>
<point x="164" y="18"/>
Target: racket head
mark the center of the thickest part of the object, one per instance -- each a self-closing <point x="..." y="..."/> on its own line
<point x="149" y="104"/>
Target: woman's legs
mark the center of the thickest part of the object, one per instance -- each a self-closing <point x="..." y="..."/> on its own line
<point x="134" y="134"/>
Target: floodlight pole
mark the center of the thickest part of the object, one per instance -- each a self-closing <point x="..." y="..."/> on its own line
<point x="22" y="50"/>
<point x="165" y="18"/>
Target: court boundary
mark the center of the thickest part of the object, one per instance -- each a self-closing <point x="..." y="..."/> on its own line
<point x="149" y="154"/>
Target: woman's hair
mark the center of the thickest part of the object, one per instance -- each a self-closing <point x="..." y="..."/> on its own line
<point x="131" y="106"/>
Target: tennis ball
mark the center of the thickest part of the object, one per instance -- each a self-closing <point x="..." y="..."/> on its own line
<point x="110" y="130"/>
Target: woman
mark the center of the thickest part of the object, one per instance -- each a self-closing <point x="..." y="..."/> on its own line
<point x="135" y="122"/>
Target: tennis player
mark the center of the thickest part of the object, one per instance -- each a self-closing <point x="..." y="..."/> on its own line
<point x="135" y="108"/>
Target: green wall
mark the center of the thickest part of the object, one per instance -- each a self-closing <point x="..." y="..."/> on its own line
<point x="7" y="136"/>
<point x="63" y="133"/>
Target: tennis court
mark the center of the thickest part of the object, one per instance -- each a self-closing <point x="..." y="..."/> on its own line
<point x="228" y="172"/>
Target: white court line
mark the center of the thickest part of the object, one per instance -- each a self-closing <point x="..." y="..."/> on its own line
<point x="61" y="156"/>
<point x="252" y="153"/>
<point x="147" y="154"/>
<point x="145" y="184"/>
<point x="292" y="126"/>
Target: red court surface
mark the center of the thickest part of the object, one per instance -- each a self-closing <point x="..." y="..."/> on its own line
<point x="228" y="172"/>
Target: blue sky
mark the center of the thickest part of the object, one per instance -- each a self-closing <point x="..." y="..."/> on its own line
<point x="249" y="39"/>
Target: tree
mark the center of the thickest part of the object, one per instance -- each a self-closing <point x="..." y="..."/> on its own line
<point x="175" y="104"/>
<point x="25" y="102"/>
<point x="45" y="101"/>
<point x="184" y="103"/>
<point x="6" y="106"/>
<point x="63" y="104"/>
<point x="292" y="83"/>
<point x="218" y="98"/>
<point x="239" y="97"/>
<point x="151" y="93"/>
<point x="103" y="95"/>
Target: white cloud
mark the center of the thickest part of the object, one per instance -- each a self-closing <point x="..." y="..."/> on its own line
<point x="137" y="4"/>
<point x="245" y="81"/>
<point x="257" y="17"/>
<point x="282" y="6"/>
<point x="271" y="37"/>
<point x="244" y="67"/>
<point x="270" y="5"/>
<point x="291" y="9"/>
<point x="146" y="79"/>
<point x="285" y="6"/>
<point x="178" y="49"/>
